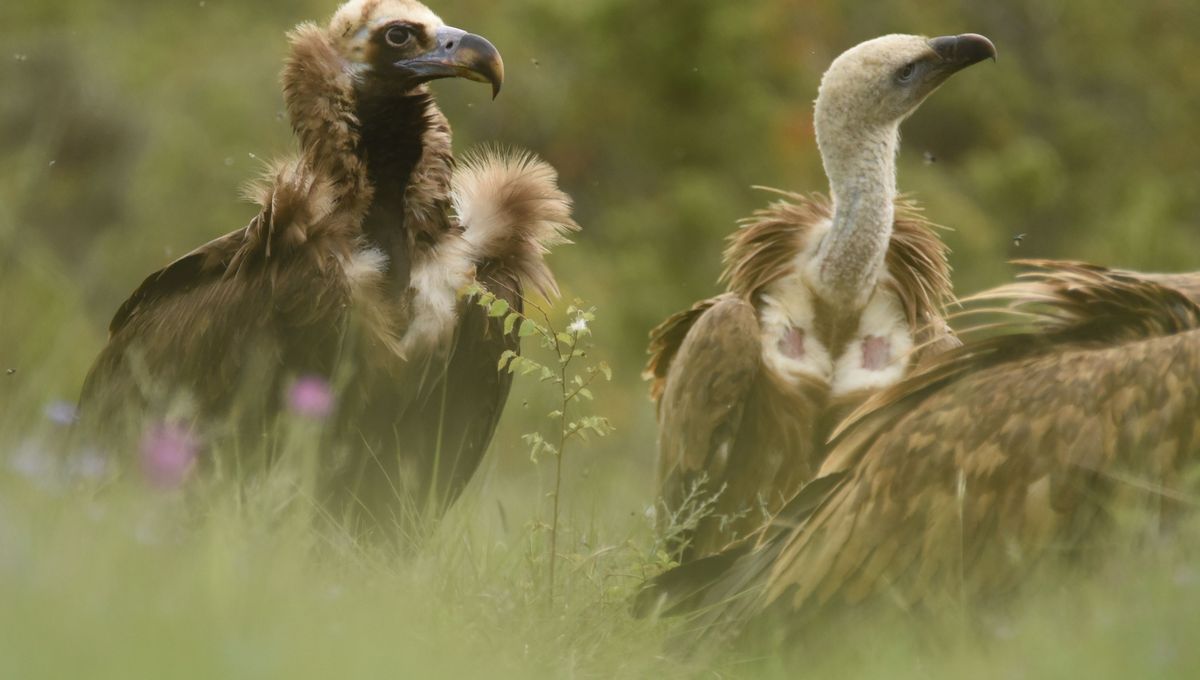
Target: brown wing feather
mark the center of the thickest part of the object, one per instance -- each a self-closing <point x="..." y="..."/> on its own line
<point x="232" y="312"/>
<point x="451" y="431"/>
<point x="710" y="357"/>
<point x="1075" y="420"/>
<point x="665" y="341"/>
<point x="728" y="428"/>
<point x="203" y="264"/>
<point x="1187" y="284"/>
<point x="198" y="326"/>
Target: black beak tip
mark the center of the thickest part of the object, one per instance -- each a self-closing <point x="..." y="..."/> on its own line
<point x="484" y="59"/>
<point x="965" y="49"/>
<point x="979" y="45"/>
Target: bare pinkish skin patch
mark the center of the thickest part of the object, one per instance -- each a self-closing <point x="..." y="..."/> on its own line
<point x="877" y="353"/>
<point x="792" y="343"/>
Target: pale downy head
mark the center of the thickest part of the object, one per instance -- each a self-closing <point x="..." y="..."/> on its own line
<point x="872" y="87"/>
<point x="882" y="81"/>
<point x="404" y="42"/>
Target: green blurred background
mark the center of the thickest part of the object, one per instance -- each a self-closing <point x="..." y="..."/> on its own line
<point x="127" y="128"/>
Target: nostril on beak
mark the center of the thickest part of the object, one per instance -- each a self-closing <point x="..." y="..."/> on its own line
<point x="450" y="45"/>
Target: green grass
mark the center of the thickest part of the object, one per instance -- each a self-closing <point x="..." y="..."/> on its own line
<point x="115" y="580"/>
<point x="246" y="579"/>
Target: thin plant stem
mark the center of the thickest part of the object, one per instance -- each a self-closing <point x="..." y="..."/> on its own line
<point x="564" y="366"/>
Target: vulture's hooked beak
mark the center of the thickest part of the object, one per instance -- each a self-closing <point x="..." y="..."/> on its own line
<point x="459" y="55"/>
<point x="960" y="51"/>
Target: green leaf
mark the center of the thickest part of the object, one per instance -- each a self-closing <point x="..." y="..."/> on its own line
<point x="528" y="328"/>
<point x="566" y="339"/>
<point x="598" y="425"/>
<point x="536" y="444"/>
<point x="505" y="358"/>
<point x="586" y="394"/>
<point x="510" y="322"/>
<point x="498" y="308"/>
<point x="516" y="363"/>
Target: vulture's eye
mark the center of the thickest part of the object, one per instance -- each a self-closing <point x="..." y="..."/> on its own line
<point x="906" y="74"/>
<point x="399" y="35"/>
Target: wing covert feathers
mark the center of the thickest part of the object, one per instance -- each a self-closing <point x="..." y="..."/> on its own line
<point x="665" y="341"/>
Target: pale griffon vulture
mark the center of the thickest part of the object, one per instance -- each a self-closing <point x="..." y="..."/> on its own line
<point x="828" y="301"/>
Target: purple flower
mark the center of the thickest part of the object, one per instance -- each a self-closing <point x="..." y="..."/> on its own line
<point x="169" y="453"/>
<point x="61" y="412"/>
<point x="311" y="397"/>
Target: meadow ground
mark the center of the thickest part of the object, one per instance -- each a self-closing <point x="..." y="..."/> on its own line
<point x="234" y="579"/>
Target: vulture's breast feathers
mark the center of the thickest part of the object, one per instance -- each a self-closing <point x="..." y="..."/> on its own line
<point x="804" y="338"/>
<point x="510" y="213"/>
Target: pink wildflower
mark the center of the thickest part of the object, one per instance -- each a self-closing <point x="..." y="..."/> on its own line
<point x="311" y="397"/>
<point x="169" y="453"/>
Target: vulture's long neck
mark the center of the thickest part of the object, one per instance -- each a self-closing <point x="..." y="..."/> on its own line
<point x="385" y="152"/>
<point x="405" y="143"/>
<point x="861" y="165"/>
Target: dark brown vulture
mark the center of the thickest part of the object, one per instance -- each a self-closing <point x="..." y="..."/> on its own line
<point x="352" y="272"/>
<point x="1010" y="453"/>
<point x="828" y="301"/>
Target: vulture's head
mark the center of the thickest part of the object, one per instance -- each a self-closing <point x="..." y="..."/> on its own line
<point x="404" y="43"/>
<point x="880" y="82"/>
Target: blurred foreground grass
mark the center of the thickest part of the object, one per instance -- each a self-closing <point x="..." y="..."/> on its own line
<point x="105" y="578"/>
